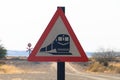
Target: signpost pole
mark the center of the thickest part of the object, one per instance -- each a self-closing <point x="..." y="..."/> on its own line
<point x="61" y="65"/>
<point x="60" y="70"/>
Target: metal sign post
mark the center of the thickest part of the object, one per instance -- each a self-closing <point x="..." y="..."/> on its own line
<point x="60" y="70"/>
<point x="61" y="65"/>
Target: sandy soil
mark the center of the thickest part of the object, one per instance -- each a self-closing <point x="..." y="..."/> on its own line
<point x="48" y="71"/>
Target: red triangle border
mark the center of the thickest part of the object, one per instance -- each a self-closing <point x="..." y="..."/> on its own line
<point x="82" y="58"/>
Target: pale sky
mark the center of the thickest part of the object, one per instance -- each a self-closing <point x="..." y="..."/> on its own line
<point x="96" y="23"/>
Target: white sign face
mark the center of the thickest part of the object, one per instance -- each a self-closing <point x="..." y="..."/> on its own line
<point x="58" y="42"/>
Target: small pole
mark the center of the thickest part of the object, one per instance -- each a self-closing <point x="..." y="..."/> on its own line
<point x="61" y="65"/>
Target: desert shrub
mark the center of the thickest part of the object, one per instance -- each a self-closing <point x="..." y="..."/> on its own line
<point x="103" y="57"/>
<point x="3" y="52"/>
<point x="113" y="67"/>
<point x="96" y="67"/>
<point x="2" y="62"/>
<point x="105" y="63"/>
<point x="117" y="70"/>
<point x="10" y="69"/>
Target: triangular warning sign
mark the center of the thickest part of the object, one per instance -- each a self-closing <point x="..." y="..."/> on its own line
<point x="58" y="42"/>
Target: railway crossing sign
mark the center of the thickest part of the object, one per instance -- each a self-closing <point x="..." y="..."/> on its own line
<point x="58" y="42"/>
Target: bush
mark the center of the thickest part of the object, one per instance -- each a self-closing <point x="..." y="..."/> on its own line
<point x="104" y="56"/>
<point x="105" y="68"/>
<point x="96" y="67"/>
<point x="117" y="70"/>
<point x="3" y="52"/>
<point x="10" y="69"/>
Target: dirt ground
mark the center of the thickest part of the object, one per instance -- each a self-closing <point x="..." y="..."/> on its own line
<point x="48" y="71"/>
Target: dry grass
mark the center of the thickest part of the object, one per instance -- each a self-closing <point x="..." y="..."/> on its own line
<point x="115" y="64"/>
<point x="96" y="67"/>
<point x="113" y="67"/>
<point x="9" y="69"/>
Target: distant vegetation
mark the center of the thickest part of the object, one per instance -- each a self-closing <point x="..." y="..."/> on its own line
<point x="3" y="52"/>
<point x="105" y="61"/>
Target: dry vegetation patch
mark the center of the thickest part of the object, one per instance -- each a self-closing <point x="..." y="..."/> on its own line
<point x="98" y="67"/>
<point x="114" y="67"/>
<point x="9" y="69"/>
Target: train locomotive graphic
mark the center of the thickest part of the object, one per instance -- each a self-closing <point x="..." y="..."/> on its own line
<point x="61" y="44"/>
